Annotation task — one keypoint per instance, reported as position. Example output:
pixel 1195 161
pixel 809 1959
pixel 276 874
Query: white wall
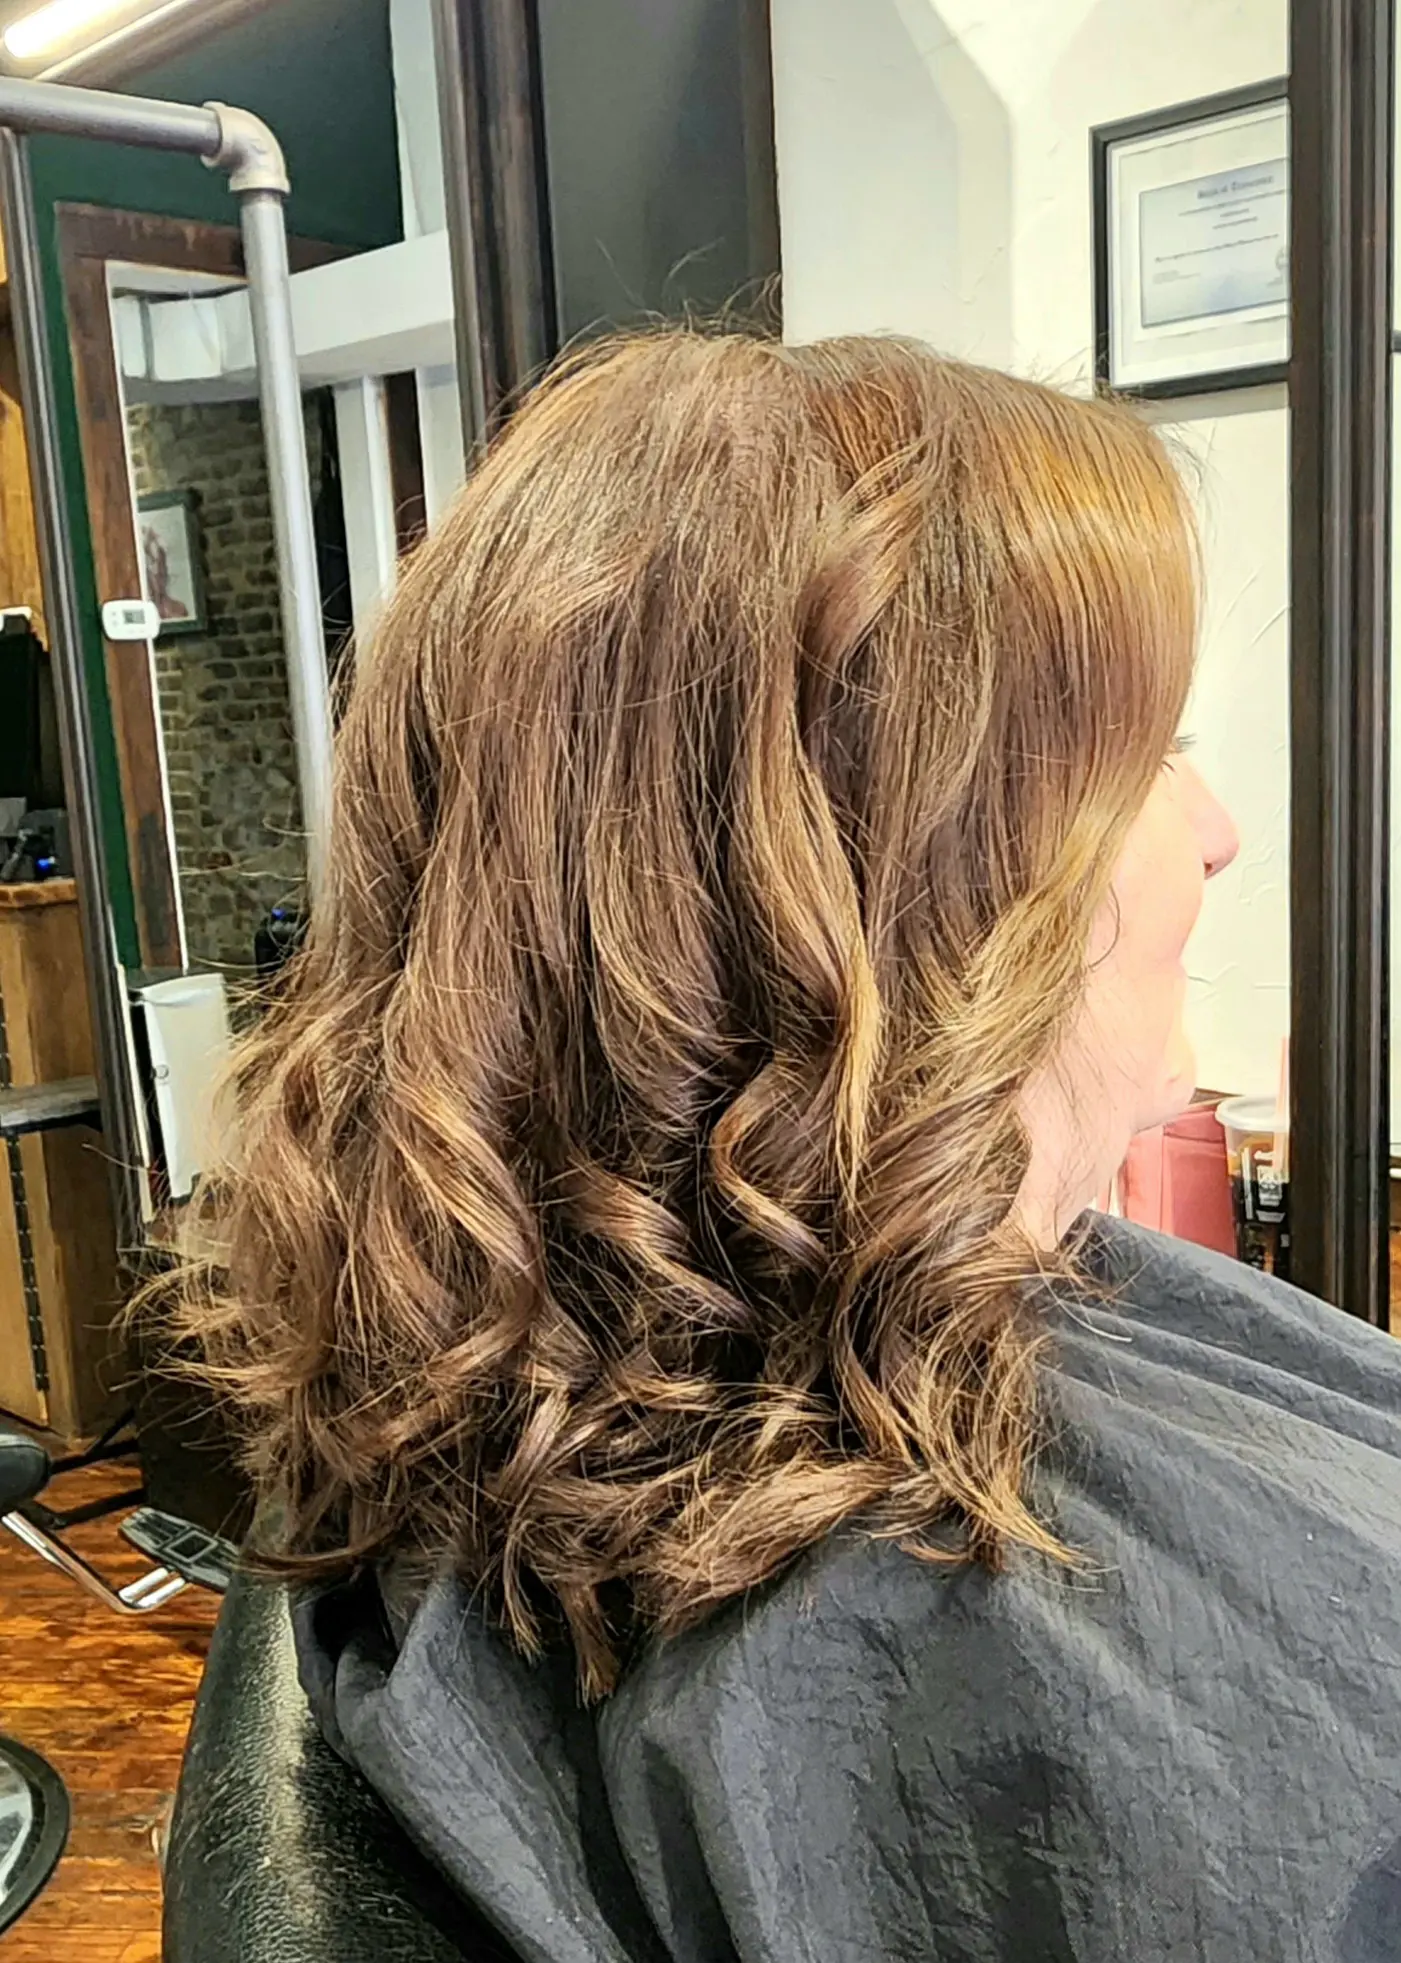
pixel 934 179
pixel 425 212
pixel 440 428
pixel 1238 718
pixel 385 313
pixel 416 110
pixel 371 538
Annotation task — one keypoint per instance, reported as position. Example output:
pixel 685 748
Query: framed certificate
pixel 1191 216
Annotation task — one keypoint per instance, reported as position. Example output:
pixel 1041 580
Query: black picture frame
pixel 1103 140
pixel 178 537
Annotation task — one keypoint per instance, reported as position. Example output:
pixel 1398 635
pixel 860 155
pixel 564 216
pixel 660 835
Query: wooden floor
pixel 107 1700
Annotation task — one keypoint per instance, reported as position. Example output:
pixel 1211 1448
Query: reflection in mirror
pixel 199 483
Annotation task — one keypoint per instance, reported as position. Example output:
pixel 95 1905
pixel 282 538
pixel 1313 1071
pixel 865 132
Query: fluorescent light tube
pixel 58 24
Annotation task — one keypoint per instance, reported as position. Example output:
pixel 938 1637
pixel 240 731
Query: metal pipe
pixel 249 152
pixel 105 994
pixel 284 433
pixel 147 125
pixel 234 141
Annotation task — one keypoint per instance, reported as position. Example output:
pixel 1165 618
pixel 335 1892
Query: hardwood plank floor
pixel 107 1700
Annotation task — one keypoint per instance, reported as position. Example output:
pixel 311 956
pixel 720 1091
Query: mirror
pixel 200 500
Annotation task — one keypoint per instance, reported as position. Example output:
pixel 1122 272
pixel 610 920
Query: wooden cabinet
pixel 60 1361
pixel 58 1264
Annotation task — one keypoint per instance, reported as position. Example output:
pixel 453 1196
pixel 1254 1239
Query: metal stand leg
pixel 149 1591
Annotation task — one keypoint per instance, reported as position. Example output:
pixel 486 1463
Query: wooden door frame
pixel 89 237
pixel 1341 202
pixel 496 178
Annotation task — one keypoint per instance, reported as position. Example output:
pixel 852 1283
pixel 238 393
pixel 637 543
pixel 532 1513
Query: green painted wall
pixel 319 73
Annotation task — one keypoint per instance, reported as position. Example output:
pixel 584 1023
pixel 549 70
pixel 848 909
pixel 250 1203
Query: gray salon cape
pixel 1189 1749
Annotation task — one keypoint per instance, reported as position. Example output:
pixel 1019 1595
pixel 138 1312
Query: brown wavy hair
pixel 628 1166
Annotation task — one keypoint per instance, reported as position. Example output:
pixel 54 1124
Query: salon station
pixel 273 274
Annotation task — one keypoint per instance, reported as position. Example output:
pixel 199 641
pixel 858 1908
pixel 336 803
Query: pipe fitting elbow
pixel 248 151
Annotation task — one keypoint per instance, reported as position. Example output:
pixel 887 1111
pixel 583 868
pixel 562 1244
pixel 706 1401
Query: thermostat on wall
pixel 130 620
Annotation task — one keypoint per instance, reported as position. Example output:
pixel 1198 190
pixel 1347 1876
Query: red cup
pixel 1175 1179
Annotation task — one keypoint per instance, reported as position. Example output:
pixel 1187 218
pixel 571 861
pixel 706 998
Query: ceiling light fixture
pixel 57 25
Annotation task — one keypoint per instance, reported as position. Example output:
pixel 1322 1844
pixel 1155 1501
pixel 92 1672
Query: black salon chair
pixel 278 1851
pixel 34 1807
pixel 33 1799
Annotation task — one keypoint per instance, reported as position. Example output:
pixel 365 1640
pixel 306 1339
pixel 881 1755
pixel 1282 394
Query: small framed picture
pixel 171 566
pixel 1191 218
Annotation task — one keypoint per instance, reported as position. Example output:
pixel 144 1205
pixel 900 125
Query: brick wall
pixel 223 693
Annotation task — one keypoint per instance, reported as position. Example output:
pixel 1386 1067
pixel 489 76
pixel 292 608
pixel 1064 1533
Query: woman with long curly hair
pixel 741 1504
